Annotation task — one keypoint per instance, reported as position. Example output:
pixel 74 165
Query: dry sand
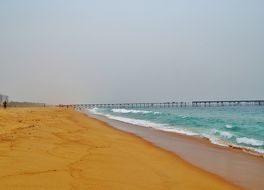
pixel 52 148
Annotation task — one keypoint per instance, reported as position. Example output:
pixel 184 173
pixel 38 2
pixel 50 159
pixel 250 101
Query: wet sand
pixel 233 165
pixel 55 148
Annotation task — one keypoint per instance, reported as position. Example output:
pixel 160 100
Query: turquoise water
pixel 238 125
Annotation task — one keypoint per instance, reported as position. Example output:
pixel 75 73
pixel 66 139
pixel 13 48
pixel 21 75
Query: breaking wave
pixel 133 111
pixel 249 141
pixel 229 126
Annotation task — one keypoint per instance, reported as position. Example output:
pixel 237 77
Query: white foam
pixel 249 141
pixel 213 139
pixel 183 116
pixel 133 111
pixel 226 134
pixel 259 151
pixel 177 130
pixel 214 131
pixel 95 111
pixel 229 126
pixel 140 122
pixel 144 123
pixel 126 120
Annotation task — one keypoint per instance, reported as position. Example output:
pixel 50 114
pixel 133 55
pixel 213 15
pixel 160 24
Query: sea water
pixel 241 126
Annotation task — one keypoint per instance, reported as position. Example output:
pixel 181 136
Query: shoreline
pixel 222 143
pixel 234 164
pixel 56 148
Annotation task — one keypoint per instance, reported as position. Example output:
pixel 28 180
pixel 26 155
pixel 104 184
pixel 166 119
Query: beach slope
pixel 55 148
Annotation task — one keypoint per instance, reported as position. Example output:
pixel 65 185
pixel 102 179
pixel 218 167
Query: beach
pixel 58 148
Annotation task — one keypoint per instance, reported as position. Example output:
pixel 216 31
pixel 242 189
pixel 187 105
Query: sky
pixel 101 51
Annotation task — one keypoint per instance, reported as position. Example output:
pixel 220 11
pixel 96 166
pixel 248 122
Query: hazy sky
pixel 131 51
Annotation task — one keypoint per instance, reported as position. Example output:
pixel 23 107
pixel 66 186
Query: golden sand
pixel 52 148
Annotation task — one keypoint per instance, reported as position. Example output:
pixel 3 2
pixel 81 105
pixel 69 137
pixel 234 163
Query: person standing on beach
pixel 5 104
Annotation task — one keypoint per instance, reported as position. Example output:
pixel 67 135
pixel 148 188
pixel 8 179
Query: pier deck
pixel 170 104
pixel 228 103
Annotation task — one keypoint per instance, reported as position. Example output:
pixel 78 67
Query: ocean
pixel 241 126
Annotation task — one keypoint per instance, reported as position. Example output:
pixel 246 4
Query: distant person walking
pixel 5 104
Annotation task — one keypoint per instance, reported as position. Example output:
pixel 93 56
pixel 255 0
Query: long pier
pixel 228 103
pixel 132 105
pixel 170 104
